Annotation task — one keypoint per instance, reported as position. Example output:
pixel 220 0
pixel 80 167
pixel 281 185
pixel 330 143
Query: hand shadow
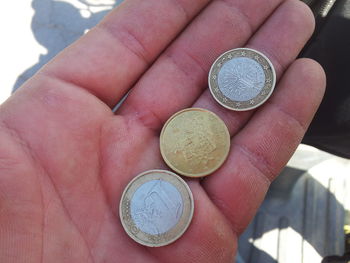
pixel 57 23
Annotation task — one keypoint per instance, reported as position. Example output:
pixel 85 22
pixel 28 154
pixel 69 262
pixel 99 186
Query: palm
pixel 67 158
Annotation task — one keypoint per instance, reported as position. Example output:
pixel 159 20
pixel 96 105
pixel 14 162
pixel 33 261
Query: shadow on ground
pixel 300 220
pixel 58 23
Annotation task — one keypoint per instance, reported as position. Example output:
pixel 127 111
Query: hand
pixel 65 158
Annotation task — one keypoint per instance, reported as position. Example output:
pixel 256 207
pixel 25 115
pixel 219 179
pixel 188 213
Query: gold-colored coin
pixel 194 142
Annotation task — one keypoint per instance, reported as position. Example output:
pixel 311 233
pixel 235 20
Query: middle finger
pixel 178 77
pixel 281 38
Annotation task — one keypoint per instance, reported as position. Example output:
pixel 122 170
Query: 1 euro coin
pixel 242 79
pixel 156 208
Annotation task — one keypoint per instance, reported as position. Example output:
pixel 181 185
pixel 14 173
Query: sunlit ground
pixel 19 46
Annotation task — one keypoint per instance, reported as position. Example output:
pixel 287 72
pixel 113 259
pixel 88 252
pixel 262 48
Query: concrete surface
pixel 303 215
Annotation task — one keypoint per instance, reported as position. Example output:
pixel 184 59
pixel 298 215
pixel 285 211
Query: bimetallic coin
pixel 242 79
pixel 156 208
pixel 194 142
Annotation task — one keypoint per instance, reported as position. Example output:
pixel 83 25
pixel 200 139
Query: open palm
pixel 65 158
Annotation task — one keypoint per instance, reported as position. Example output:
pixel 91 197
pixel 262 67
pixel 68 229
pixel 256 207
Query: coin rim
pixel 190 174
pixel 188 205
pixel 273 84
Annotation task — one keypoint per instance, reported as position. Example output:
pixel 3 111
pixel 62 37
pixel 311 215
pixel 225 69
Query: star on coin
pixel 224 99
pixel 219 64
pixel 229 56
pixel 216 89
pixel 257 58
pixel 214 77
pixel 238 104
pixel 268 80
pixel 266 67
pixel 243 53
pixel 263 93
pixel 251 101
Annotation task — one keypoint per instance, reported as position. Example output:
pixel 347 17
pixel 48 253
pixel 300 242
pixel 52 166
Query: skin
pixel 65 158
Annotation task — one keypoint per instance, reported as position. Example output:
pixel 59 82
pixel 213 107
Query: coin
pixel 194 142
pixel 156 208
pixel 242 79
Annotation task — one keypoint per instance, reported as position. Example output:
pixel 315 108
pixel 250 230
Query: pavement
pixel 304 213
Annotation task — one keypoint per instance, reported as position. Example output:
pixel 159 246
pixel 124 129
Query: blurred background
pixel 305 216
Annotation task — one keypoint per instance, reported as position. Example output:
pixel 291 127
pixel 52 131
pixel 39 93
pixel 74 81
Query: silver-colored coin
pixel 156 208
pixel 242 79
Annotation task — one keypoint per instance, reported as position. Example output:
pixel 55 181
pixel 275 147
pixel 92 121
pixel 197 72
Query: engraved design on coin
pixel 194 142
pixel 244 79
pixel 156 208
pixel 241 79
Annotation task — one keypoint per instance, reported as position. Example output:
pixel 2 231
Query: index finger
pixel 113 55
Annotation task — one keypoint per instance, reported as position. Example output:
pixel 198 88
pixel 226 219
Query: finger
pixel 180 74
pixel 208 239
pixel 263 147
pixel 131 158
pixel 141 104
pixel 20 201
pixel 113 55
pixel 281 39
